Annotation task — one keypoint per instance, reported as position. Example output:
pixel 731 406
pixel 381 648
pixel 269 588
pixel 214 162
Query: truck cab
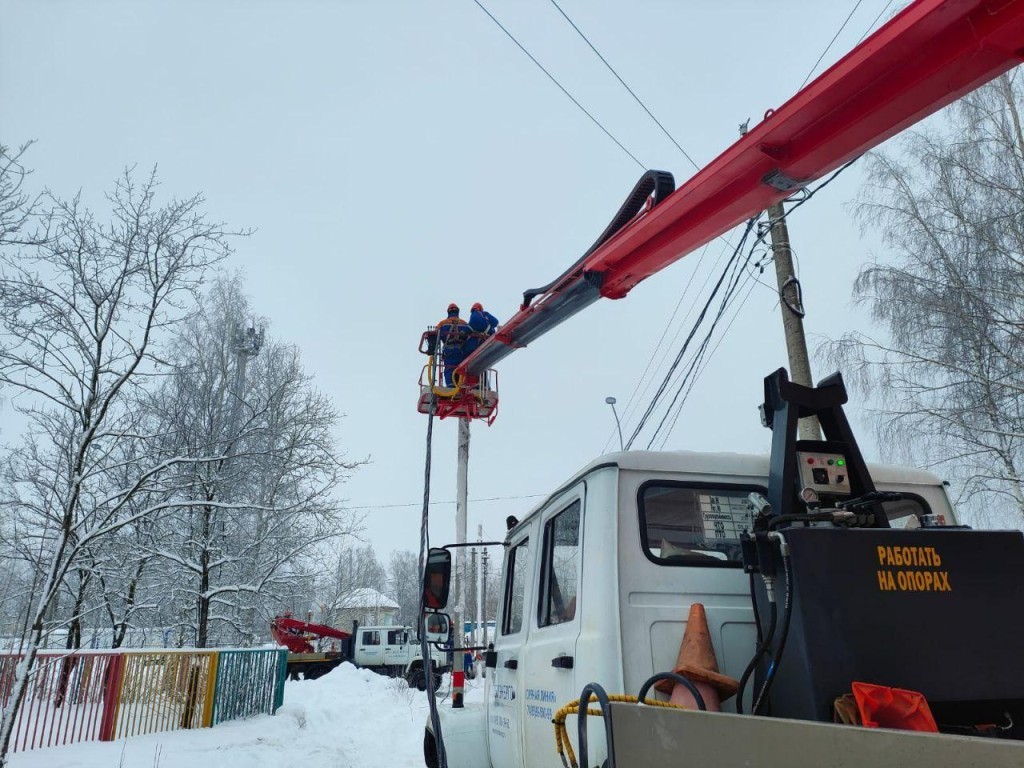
pixel 395 651
pixel 597 582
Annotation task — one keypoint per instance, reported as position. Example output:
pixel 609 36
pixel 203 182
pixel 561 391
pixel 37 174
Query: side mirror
pixel 438 628
pixel 437 579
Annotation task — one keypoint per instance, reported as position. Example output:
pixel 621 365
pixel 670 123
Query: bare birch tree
pixel 82 312
pixel 949 379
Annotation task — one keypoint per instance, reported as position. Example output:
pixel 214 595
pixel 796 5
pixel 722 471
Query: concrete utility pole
pixel 791 304
pixel 461 504
pixel 472 611
pixel 480 607
pixel 483 597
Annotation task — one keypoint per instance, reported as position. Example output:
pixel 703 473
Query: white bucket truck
pixel 395 651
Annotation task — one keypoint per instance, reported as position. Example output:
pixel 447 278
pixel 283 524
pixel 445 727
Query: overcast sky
pixel 395 156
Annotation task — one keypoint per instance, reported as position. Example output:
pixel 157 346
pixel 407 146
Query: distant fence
pixel 248 683
pixel 102 696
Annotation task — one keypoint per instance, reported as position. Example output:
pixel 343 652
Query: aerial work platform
pixel 468 397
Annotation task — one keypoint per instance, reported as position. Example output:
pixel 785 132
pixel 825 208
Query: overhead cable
pixel 561 87
pixel 738 271
pixel 624 85
pixel 704 362
pixel 636 389
pixel 831 42
pixel 698 362
pixel 872 25
pixel 682 351
pixel 435 503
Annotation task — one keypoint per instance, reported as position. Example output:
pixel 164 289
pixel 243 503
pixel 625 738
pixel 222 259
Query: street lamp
pixel 611 401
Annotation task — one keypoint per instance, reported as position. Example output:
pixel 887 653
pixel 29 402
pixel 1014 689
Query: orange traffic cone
pixel 698 664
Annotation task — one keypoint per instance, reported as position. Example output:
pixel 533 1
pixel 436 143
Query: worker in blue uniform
pixel 453 333
pixel 482 324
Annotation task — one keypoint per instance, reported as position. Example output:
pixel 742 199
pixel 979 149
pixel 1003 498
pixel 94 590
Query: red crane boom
pixel 295 634
pixel 927 56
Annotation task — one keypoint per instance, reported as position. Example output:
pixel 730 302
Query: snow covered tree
pixel 404 575
pixel 82 310
pixel 950 294
pixel 16 204
pixel 244 402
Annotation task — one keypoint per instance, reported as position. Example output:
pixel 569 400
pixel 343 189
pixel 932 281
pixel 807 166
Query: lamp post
pixel 611 401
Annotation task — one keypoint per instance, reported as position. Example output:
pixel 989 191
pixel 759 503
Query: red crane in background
pixel 295 634
pixel 927 56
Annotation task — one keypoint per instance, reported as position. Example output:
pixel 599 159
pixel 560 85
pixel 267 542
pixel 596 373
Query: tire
pixel 416 679
pixel 315 671
pixel 429 750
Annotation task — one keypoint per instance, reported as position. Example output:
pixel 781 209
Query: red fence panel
pixel 66 698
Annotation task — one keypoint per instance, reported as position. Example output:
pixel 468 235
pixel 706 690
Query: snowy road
pixel 349 718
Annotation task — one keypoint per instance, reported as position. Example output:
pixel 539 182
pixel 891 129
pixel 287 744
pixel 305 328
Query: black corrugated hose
pixel 428 666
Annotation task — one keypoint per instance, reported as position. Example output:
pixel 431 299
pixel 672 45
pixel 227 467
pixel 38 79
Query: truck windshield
pixel 694 524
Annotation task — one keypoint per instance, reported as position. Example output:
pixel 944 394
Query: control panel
pixel 824 472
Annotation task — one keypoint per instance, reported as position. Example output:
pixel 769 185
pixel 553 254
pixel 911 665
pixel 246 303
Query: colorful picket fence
pixel 248 684
pixel 102 696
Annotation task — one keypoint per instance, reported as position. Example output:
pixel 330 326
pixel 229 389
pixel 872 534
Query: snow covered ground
pixel 350 717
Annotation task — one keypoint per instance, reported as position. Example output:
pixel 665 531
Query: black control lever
pixel 869 498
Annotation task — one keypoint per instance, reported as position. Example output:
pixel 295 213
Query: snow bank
pixel 350 717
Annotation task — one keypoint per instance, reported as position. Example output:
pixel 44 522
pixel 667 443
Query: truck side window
pixel 515 588
pixel 396 637
pixel 559 577
pixel 371 637
pixel 694 523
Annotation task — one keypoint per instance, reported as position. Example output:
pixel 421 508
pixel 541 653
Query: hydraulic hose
pixel 765 642
pixel 581 728
pixel 428 666
pixel 787 613
pixel 675 677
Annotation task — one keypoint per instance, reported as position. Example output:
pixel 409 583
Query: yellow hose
pixel 562 743
pixel 436 389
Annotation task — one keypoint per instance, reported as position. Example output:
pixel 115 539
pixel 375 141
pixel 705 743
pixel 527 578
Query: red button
pixel 810 461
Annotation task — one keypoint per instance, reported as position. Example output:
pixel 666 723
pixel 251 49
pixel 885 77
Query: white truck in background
pixel 395 651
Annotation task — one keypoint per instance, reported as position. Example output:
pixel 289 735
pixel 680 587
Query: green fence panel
pixel 249 682
pixel 282 674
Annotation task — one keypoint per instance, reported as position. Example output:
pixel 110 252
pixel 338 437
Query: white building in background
pixel 368 606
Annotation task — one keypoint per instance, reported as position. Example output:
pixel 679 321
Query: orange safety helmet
pixel 453 307
pixel 477 307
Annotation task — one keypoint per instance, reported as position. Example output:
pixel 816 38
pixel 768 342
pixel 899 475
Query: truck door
pixel 504 705
pixel 548 660
pixel 396 648
pixel 369 651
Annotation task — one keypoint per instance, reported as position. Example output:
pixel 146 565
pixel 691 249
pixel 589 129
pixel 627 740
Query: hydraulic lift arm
pixel 927 56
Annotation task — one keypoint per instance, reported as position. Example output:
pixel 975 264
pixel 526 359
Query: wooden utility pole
pixel 792 306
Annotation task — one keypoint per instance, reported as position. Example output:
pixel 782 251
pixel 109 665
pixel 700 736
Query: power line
pixel 628 409
pixel 702 366
pixel 682 351
pixel 624 85
pixel 434 503
pixel 738 272
pixel 561 87
pixel 698 363
pixel 831 42
pixel 872 26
